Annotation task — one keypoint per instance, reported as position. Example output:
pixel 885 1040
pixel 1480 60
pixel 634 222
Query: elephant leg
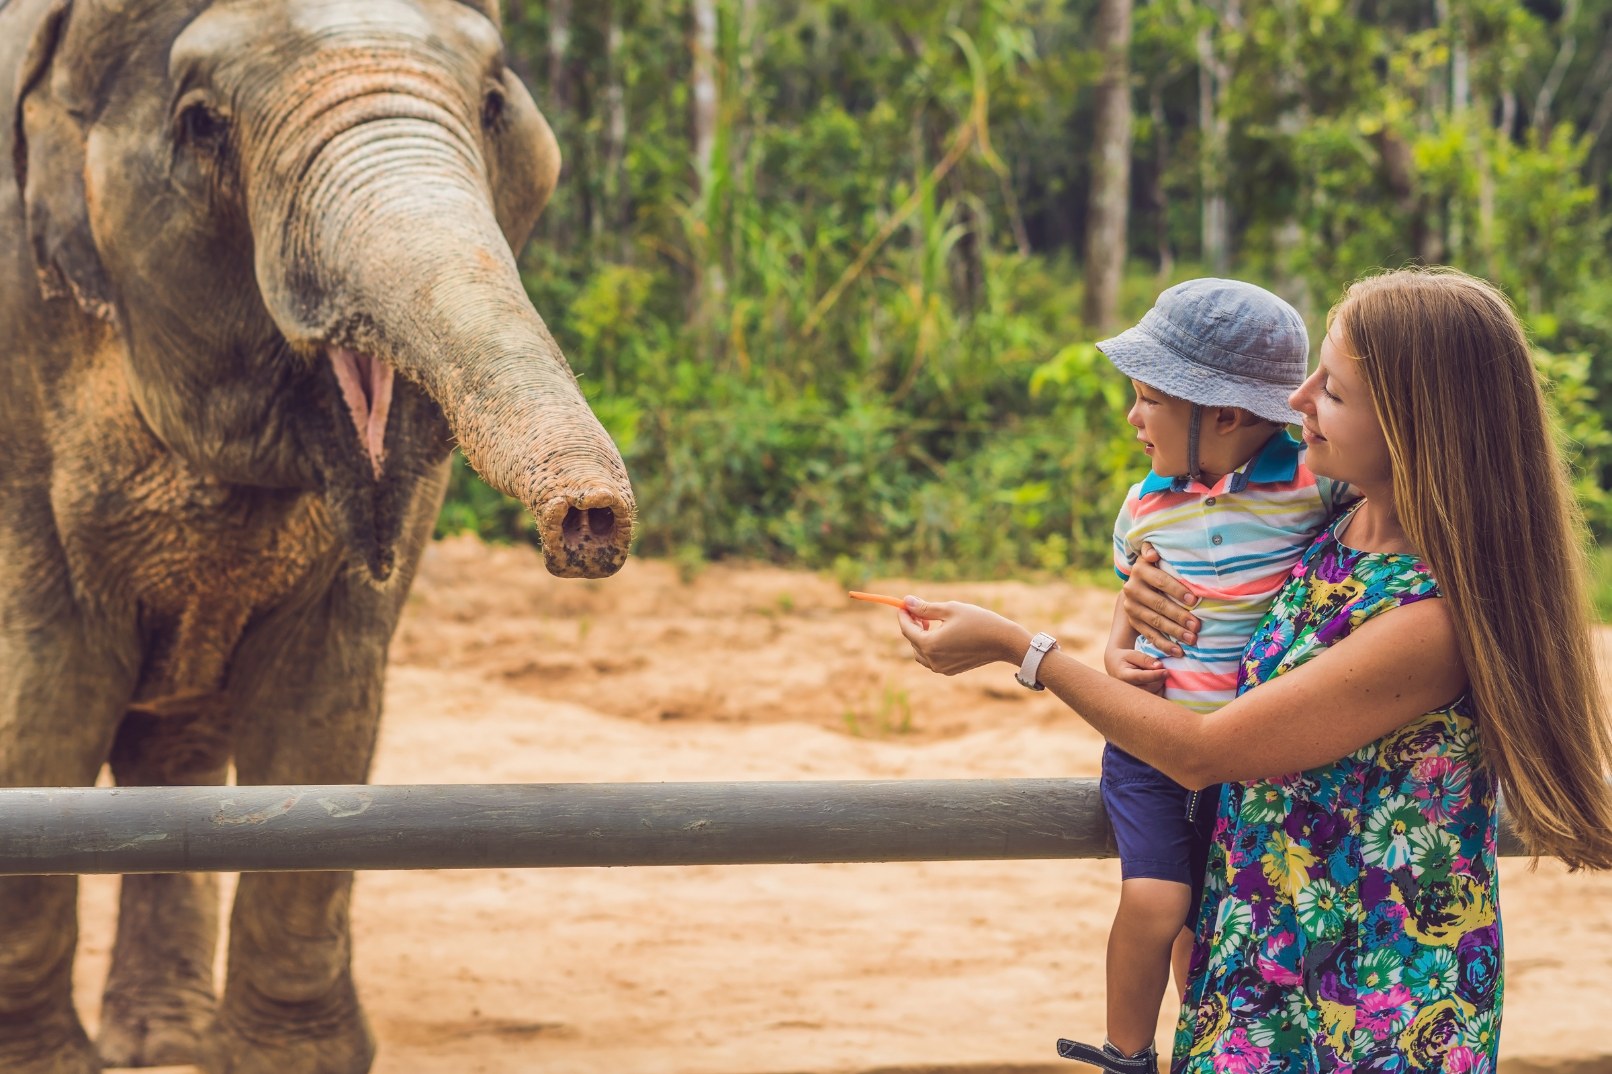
pixel 159 992
pixel 289 1004
pixel 57 709
pixel 307 687
pixel 39 1029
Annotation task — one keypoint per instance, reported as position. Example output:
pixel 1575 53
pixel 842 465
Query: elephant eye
pixel 201 126
pixel 492 109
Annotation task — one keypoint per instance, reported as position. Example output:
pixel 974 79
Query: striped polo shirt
pixel 1233 545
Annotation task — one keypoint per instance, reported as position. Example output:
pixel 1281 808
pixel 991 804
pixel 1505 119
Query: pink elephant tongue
pixel 366 388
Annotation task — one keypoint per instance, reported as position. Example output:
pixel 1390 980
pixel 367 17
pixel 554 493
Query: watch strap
pixel 1028 674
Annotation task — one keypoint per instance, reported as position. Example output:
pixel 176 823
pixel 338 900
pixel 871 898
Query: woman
pixel 1350 917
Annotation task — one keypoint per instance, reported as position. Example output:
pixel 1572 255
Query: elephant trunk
pixel 378 249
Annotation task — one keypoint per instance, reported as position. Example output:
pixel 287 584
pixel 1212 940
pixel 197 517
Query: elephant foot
pixel 299 1041
pixel 147 1028
pixel 36 1049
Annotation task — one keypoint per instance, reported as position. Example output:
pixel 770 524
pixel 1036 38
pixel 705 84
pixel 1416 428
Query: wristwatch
pixel 1040 645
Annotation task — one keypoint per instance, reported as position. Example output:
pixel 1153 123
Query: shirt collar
pixel 1277 461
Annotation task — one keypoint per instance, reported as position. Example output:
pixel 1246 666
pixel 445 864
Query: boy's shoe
pixel 1110 1058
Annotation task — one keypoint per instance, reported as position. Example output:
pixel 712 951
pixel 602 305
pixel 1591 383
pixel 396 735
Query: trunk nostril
pixel 596 522
pixel 585 542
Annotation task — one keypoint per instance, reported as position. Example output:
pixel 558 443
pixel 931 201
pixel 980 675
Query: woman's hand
pixel 953 637
pixel 1156 603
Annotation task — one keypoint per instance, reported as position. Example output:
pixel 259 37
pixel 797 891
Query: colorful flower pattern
pixel 1350 918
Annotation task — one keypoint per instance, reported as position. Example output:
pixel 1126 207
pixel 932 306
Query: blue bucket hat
pixel 1218 343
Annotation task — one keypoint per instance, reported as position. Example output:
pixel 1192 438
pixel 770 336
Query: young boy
pixel 1230 506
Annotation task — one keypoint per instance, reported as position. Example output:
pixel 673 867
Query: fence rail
pixel 484 826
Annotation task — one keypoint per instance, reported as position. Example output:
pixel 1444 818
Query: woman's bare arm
pixel 1391 670
pixel 1156 602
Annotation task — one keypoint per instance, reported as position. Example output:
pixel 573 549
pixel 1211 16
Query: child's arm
pixel 1124 662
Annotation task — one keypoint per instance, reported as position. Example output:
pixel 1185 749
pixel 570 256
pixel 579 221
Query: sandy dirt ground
pixel 503 674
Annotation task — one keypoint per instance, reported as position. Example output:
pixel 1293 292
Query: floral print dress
pixel 1350 917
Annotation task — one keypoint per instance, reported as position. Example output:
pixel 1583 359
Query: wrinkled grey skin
pixel 255 280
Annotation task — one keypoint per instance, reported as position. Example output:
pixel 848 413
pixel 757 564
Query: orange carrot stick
pixel 878 598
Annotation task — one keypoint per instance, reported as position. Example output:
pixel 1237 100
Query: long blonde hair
pixel 1482 492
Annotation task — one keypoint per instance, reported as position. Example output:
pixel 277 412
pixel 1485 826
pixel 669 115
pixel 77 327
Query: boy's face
pixel 1161 423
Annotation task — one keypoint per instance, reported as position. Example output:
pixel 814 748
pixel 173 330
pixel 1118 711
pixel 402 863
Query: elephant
pixel 257 279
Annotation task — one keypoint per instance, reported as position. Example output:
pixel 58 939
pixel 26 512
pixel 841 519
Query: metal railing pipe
pixel 279 829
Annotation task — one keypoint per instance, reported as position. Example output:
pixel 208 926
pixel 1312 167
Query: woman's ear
pixel 48 135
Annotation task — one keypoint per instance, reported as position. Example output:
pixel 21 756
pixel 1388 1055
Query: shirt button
pixel 1210 502
pixel 1215 539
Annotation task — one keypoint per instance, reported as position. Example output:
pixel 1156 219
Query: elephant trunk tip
pixel 586 535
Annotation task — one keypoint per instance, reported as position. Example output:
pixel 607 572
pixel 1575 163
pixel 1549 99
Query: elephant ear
pixel 526 163
pixel 493 9
pixel 48 157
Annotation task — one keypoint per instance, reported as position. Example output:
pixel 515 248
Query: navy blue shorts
pixel 1156 836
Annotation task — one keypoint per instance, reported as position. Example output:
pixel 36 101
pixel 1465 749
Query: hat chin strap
pixel 1194 471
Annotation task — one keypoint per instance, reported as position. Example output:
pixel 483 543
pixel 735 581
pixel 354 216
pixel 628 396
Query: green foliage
pixel 965 453
pixel 854 346
pixel 1582 432
pixel 1601 582
pixel 473 507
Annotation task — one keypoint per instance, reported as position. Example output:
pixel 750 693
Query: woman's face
pixel 1345 439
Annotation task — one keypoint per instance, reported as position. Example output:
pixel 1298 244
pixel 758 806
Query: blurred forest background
pixel 830 271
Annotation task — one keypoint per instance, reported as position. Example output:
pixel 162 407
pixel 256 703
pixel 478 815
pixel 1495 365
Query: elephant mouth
pixel 366 388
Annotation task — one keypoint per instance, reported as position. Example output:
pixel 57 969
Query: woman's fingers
pixel 914 629
pixel 1152 574
pixel 919 608
pixel 1150 613
pixel 953 637
pixel 1153 603
pixel 1155 629
pixel 921 637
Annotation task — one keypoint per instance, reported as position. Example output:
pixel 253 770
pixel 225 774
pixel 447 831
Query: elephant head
pixel 298 217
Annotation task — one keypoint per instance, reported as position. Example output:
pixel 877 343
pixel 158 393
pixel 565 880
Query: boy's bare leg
pixel 1146 928
pixel 1181 960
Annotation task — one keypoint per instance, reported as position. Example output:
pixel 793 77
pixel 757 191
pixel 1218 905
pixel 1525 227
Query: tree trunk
pixel 1558 69
pixel 1110 195
pixel 704 100
pixel 1158 203
pixel 1460 104
pixel 1213 76
pixel 514 31
pixel 1460 69
pixel 739 139
pixel 703 88
pixel 559 48
pixel 612 223
pixel 559 226
pixel 1288 234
